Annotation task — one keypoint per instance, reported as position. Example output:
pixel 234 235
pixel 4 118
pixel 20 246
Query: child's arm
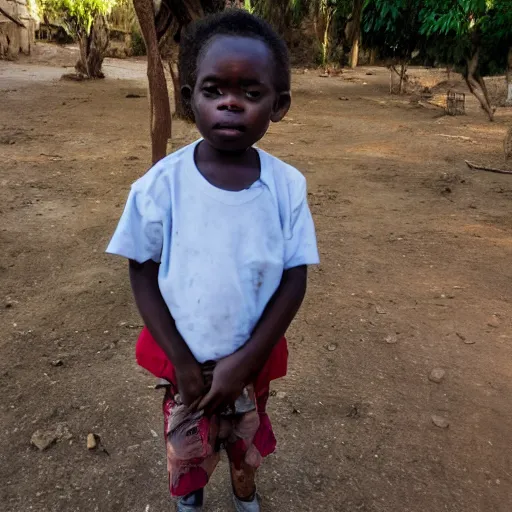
pixel 161 325
pixel 232 373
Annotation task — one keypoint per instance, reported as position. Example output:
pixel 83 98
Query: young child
pixel 219 235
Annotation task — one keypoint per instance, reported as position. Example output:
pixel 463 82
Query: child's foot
pixel 247 506
pixel 192 502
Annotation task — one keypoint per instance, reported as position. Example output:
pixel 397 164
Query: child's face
pixel 234 98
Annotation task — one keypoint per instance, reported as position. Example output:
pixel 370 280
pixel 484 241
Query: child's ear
pixel 186 93
pixel 281 106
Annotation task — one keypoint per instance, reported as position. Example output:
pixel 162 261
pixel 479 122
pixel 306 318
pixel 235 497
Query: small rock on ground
pixel 437 375
pixel 91 442
pixel 440 422
pixel 62 432
pixel 43 439
pixel 493 321
pixel 391 339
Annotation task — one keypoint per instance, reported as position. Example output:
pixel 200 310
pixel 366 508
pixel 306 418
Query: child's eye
pixel 253 95
pixel 211 90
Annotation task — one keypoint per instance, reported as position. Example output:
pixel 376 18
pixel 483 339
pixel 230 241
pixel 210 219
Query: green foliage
pixel 456 29
pixel 282 14
pixel 76 16
pixel 497 25
pixel 448 28
pixel 393 26
pixel 446 31
pixel 330 18
pixel 459 17
pixel 123 16
pixel 138 46
pixel 279 11
pixel 287 17
pixel 299 10
pixel 248 6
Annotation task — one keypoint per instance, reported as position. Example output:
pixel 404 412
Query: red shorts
pixel 192 441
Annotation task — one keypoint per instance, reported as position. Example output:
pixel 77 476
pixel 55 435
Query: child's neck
pixel 228 170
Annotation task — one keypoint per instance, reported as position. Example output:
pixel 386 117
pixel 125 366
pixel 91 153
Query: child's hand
pixel 229 378
pixel 191 385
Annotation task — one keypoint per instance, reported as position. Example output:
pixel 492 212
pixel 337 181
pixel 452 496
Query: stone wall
pixel 15 39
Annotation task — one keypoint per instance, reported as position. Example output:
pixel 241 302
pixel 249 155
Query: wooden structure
pixel 455 103
pixel 17 28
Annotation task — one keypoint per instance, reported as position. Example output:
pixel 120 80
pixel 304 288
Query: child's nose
pixel 231 102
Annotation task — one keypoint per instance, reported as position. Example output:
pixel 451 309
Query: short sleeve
pixel 139 234
pixel 300 247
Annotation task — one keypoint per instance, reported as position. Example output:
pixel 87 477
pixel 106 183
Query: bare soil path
pixel 416 274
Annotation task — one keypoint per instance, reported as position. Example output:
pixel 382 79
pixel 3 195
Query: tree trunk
pixel 477 86
pixel 509 77
pixel 160 111
pixel 356 32
pixel 354 53
pixel 81 67
pixel 403 76
pixel 325 43
pixel 373 56
pixel 179 109
pixel 92 49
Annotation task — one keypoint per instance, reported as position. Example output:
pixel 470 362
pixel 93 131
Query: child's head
pixel 235 78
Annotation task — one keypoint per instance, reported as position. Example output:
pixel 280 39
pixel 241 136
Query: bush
pixel 138 45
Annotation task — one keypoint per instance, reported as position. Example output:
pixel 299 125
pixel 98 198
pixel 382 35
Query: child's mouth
pixel 229 129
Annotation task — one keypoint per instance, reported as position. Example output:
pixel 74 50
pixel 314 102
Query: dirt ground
pixel 416 274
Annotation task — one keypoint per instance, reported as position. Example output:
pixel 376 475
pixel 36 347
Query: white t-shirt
pixel 221 253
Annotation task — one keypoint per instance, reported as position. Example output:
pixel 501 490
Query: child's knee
pixel 247 427
pixel 253 457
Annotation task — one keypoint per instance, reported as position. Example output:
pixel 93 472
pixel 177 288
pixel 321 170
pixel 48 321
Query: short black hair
pixel 231 22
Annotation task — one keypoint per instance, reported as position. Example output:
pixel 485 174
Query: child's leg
pixel 243 480
pixel 254 439
pixel 244 459
pixel 190 458
pixel 245 498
